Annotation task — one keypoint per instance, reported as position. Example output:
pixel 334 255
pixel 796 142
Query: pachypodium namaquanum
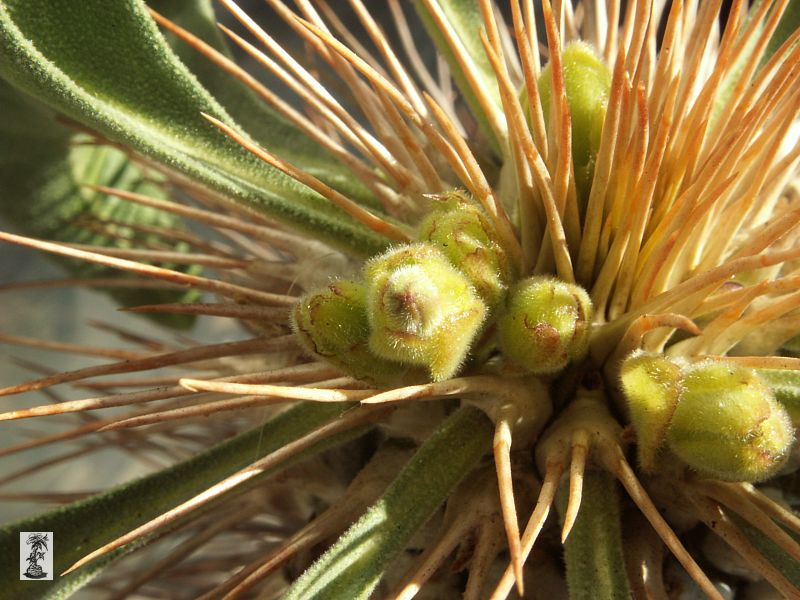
pixel 549 286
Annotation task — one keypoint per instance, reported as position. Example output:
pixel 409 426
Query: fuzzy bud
pixel 652 388
pixel 545 324
pixel 464 235
pixel 728 424
pixel 421 310
pixel 332 323
pixel 587 80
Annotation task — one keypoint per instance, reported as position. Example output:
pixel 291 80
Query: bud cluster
pixel 719 418
pixel 423 305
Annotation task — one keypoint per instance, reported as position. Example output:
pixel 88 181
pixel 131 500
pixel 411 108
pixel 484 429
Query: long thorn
pixel 535 523
pixel 251 346
pixel 577 467
pixel 286 392
pixel 203 283
pixel 347 421
pixel 505 486
pixel 622 470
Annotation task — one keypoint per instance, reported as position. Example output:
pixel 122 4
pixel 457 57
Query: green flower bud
pixel 422 310
pixel 463 234
pixel 588 81
pixel 332 324
pixel 652 388
pixel 545 324
pixel 729 425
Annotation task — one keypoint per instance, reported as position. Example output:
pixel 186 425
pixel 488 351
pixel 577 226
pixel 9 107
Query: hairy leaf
pixel 464 16
pixel 266 126
pixel 42 167
pixel 790 21
pixel 84 526
pixel 106 65
pixel 354 565
pixel 593 551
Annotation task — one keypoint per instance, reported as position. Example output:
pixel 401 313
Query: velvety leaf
pixel 788 24
pixel 777 556
pixel 464 16
pixel 354 565
pixel 266 126
pixel 84 526
pixel 593 550
pixel 106 65
pixel 42 165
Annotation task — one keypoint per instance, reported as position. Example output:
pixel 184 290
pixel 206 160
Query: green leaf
pixel 84 526
pixel 790 21
pixel 266 126
pixel 353 566
pixel 785 384
pixel 106 65
pixel 777 556
pixel 41 169
pixel 464 16
pixel 593 550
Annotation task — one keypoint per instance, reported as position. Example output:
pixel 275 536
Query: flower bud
pixel 652 388
pixel 332 323
pixel 464 235
pixel 587 80
pixel 729 425
pixel 545 324
pixel 421 310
